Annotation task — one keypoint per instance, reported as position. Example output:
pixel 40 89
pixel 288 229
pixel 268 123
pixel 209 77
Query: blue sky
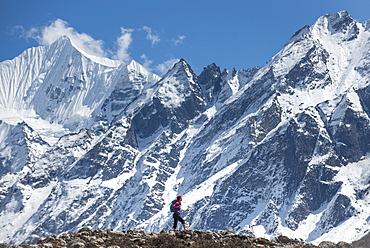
pixel 233 34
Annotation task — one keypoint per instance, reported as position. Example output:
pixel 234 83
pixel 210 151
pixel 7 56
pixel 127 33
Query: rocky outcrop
pixel 86 237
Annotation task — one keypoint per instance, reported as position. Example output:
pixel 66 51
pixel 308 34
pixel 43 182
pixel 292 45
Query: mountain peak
pixel 339 21
pixel 173 88
pixel 61 43
pixel 66 43
pixel 210 73
pixel 182 63
pixel 180 68
pixel 210 81
pixel 137 71
pixel 212 66
pixel 329 24
pixel 341 24
pixel 63 40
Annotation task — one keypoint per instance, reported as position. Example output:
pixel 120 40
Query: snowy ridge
pixel 74 84
pixel 282 149
pixel 137 71
pixel 100 60
pixel 15 80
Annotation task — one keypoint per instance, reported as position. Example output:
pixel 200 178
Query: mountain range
pixel 281 149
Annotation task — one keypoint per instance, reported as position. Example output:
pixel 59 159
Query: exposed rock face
pixel 177 100
pixel 210 80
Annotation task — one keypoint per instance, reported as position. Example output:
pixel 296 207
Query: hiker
pixel 175 208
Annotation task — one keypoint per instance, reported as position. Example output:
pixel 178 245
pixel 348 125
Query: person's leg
pixel 182 222
pixel 175 219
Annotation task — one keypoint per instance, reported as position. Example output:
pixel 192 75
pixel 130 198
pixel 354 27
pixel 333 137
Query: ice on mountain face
pixel 75 88
pixel 18 142
pixel 138 73
pixel 63 89
pixel 129 93
pixel 347 48
pixel 342 22
pixel 16 81
pixel 340 26
pixel 318 65
pixel 351 198
pixel 316 58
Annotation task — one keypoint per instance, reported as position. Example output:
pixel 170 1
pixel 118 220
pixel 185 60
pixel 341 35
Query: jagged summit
pixel 338 22
pixel 210 81
pixel 62 41
pixel 178 83
pixel 175 99
pixel 181 67
pixel 322 61
pixel 281 149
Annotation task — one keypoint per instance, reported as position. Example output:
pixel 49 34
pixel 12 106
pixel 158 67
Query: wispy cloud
pixel 165 66
pixel 147 62
pixel 47 35
pixel 123 43
pixel 160 69
pixel 150 35
pixel 179 40
pixel 26 34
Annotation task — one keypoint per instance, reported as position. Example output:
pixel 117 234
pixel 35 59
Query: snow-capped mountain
pixel 282 149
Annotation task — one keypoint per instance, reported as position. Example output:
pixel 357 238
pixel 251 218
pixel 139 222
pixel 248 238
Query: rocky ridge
pixel 109 238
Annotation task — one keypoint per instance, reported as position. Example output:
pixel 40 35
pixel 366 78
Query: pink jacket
pixel 177 206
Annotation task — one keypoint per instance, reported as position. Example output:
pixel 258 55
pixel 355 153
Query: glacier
pixel 277 150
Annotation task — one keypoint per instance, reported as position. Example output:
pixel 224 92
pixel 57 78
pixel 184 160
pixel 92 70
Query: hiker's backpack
pixel 171 206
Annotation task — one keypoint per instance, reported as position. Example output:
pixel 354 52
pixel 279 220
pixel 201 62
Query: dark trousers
pixel 176 218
